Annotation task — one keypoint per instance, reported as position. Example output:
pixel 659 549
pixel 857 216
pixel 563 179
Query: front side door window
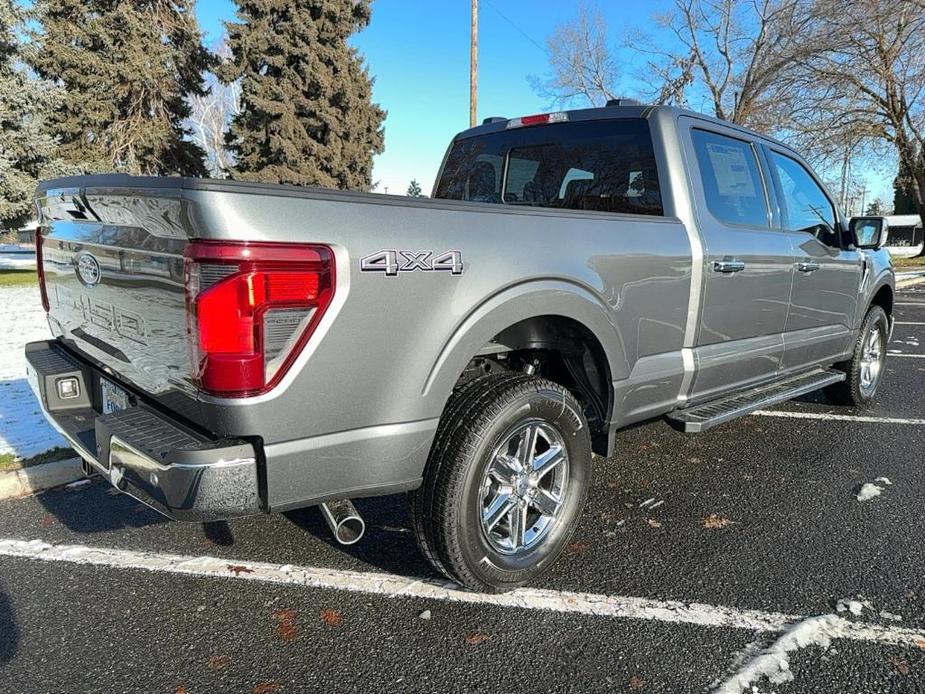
pixel 804 205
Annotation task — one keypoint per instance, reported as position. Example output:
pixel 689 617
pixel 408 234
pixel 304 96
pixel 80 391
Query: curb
pixel 902 284
pixel 37 478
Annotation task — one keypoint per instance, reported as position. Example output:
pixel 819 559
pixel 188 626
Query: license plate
pixel 114 398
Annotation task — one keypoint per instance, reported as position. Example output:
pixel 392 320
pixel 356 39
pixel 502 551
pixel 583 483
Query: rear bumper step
pixel 710 414
pixel 171 469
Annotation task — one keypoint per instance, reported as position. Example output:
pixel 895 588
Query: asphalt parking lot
pixel 737 560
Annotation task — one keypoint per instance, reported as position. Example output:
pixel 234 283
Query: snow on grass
pixel 23 430
pixel 869 490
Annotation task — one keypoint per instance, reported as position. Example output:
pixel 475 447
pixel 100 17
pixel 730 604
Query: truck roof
pixel 616 108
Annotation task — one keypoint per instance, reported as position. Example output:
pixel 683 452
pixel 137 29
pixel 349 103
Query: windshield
pixel 607 166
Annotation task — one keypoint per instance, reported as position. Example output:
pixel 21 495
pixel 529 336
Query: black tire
pixel 446 511
pixel 854 391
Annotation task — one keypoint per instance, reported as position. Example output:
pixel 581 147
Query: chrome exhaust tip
pixel 344 521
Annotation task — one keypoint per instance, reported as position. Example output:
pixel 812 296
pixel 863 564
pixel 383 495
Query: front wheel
pixel 864 370
pixel 505 483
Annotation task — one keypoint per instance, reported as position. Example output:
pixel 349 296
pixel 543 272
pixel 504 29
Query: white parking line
pixel 909 303
pixel 902 322
pixel 906 356
pixel 390 585
pixel 838 417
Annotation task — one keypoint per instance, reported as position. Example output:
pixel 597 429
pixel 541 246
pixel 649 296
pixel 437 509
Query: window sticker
pixel 733 178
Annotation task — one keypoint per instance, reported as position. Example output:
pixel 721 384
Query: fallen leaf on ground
pixel 654 523
pixel 180 689
pixel 266 687
pixel 285 624
pixel 47 520
pixel 921 644
pixel 476 638
pixel 636 683
pixel 238 570
pixel 218 662
pixel 576 547
pixel 715 520
pixel 902 667
pixel 330 617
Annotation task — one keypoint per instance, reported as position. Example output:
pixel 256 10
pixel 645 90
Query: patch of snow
pixel 24 432
pixel 855 607
pixel 890 616
pixel 75 485
pixel 773 663
pixel 869 490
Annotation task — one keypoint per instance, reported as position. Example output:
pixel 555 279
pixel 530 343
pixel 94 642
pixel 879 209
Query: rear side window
pixel 608 166
pixel 732 183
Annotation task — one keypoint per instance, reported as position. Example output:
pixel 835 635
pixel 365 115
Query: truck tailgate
pixel 113 266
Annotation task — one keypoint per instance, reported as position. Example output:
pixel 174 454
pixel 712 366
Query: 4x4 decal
pixel 392 262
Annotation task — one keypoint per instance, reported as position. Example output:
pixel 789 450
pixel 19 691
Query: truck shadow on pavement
pixel 99 509
pixel 9 634
pixel 388 543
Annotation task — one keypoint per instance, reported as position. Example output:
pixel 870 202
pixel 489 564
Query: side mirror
pixel 869 232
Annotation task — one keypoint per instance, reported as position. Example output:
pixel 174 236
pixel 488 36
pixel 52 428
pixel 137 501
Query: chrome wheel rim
pixel 523 488
pixel 871 359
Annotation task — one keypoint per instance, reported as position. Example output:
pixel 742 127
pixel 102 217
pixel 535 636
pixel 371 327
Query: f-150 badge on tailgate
pixel 393 262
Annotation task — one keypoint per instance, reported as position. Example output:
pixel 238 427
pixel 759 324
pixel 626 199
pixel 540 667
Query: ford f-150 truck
pixel 223 348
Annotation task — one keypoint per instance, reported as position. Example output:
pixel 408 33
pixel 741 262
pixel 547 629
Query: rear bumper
pixel 155 459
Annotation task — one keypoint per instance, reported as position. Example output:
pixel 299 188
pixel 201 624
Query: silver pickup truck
pixel 225 348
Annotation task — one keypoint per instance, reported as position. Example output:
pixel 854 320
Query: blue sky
pixel 418 53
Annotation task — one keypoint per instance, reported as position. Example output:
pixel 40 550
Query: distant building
pixel 26 235
pixel 905 237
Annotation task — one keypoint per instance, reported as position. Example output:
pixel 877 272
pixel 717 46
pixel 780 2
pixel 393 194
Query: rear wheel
pixel 865 368
pixel 505 483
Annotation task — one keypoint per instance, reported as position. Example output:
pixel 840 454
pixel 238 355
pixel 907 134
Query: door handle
pixel 728 266
pixel 807 266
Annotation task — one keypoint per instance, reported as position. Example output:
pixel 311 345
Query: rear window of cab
pixel 602 165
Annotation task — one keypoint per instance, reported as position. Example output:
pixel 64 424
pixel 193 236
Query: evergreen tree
pixel 126 67
pixel 26 150
pixel 306 111
pixel 414 188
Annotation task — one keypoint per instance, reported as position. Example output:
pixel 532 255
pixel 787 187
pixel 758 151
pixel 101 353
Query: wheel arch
pixel 550 315
pixel 884 298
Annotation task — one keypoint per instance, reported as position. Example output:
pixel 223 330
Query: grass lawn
pixel 8 461
pixel 18 278
pixel 909 262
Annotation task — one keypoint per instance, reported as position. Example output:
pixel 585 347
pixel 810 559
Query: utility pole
pixel 474 65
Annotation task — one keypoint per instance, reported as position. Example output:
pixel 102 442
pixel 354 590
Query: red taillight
pixel 539 119
pixel 252 308
pixel 40 268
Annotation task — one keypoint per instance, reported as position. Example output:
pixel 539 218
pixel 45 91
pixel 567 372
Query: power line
pixel 517 28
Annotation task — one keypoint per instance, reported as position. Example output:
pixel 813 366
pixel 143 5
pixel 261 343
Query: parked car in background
pixel 905 237
pixel 226 348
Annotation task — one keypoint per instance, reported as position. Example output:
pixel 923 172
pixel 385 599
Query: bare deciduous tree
pixel 211 114
pixel 739 56
pixel 736 56
pixel 583 66
pixel 870 86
